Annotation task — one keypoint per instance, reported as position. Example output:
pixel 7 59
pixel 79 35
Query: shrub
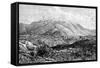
pixel 44 50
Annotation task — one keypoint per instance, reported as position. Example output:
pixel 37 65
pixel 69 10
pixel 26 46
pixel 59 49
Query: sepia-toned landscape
pixel 53 34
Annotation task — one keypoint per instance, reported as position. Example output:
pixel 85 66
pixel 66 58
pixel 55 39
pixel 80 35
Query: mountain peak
pixel 68 28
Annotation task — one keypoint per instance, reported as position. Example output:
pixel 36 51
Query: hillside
pixel 53 41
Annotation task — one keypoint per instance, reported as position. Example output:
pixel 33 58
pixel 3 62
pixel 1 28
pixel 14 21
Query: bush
pixel 44 50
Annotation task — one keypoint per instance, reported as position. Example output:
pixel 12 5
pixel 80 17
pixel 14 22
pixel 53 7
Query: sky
pixel 82 16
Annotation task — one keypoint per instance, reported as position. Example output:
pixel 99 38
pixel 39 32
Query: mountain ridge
pixel 69 28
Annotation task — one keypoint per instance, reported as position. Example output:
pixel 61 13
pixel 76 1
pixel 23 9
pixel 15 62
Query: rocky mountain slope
pixel 71 29
pixel 56 31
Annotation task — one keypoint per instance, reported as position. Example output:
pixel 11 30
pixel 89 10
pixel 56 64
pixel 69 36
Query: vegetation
pixel 55 41
pixel 80 50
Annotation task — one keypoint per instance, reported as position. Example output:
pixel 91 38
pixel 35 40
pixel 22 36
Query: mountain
pixel 22 28
pixel 66 29
pixel 56 32
pixel 74 29
pixel 71 29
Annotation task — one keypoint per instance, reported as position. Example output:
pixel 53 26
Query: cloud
pixel 82 16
